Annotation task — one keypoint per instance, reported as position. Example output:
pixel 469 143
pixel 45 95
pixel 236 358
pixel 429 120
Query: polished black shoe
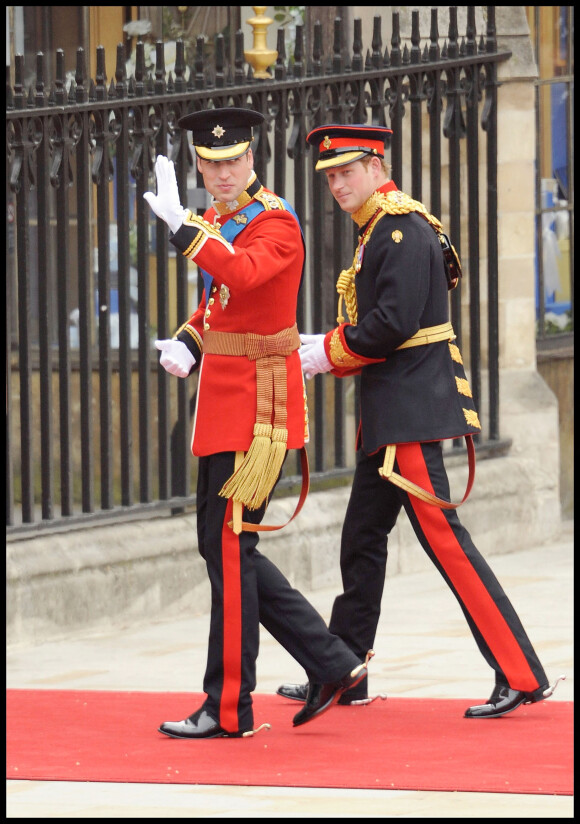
pixel 504 699
pixel 199 725
pixel 299 692
pixel 321 697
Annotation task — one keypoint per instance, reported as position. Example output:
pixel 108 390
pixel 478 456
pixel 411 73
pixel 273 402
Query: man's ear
pixel 198 165
pixel 376 164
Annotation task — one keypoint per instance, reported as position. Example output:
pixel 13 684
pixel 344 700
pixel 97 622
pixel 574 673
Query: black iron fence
pixel 95 428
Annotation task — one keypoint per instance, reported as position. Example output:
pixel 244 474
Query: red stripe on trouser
pixel 232 626
pixel 472 591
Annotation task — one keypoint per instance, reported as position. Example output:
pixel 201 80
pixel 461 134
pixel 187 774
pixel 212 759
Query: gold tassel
pixel 243 484
pixel 272 470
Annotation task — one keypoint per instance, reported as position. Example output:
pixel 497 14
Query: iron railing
pixel 95 428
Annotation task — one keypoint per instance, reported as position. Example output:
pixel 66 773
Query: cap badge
pixel 397 236
pixel 327 142
pixel 218 131
pixel 224 295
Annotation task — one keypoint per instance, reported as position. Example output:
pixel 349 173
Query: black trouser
pixel 246 589
pixel 372 513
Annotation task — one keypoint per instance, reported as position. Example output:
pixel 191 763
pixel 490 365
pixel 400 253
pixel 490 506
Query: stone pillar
pixel 516 191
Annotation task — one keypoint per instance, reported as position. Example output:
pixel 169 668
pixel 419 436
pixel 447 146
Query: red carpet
pixel 400 743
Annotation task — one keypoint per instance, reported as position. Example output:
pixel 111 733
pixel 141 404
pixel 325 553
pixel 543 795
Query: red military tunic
pixel 250 400
pixel 254 290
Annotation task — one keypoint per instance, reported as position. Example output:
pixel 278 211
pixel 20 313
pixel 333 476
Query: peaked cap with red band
pixel 339 145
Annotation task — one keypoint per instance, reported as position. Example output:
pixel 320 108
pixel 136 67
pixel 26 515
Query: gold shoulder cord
pixel 345 285
pixel 378 205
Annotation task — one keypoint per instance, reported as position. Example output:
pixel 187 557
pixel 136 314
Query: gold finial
pixel 260 57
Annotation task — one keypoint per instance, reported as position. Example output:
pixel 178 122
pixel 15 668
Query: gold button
pixel 206 326
pixel 211 301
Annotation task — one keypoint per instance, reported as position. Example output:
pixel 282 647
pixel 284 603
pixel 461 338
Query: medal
pixel 224 295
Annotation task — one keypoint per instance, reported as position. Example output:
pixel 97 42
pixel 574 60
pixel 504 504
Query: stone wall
pixel 107 576
pixel 104 577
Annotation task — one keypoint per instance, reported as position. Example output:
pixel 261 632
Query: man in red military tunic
pixel 251 408
pixel 413 395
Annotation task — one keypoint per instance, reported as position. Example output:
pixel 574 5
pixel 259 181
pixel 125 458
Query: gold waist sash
pixel 250 345
pixel 254 479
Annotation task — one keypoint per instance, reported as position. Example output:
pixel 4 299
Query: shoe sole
pixel 497 714
pixel 352 702
pixel 201 737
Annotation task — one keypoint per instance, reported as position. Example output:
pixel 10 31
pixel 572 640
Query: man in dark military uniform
pixel 413 395
pixel 251 408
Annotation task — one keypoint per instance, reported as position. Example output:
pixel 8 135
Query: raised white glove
pixel 312 355
pixel 175 358
pixel 166 203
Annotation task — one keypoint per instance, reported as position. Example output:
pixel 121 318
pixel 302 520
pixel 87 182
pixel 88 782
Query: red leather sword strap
pixel 248 527
pixel 387 472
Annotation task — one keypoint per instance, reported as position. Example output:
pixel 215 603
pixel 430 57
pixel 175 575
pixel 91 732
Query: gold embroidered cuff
pixel 186 327
pixel 340 355
pixel 195 245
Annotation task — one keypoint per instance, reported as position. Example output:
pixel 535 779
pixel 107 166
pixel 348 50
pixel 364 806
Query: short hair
pixel 386 167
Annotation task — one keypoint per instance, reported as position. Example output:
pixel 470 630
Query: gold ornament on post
pixel 260 57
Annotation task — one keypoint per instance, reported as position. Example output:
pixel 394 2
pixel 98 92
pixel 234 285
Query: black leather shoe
pixel 321 697
pixel 504 700
pixel 501 701
pixel 299 692
pixel 199 725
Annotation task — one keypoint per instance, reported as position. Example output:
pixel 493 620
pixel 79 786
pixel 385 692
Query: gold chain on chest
pixel 345 285
pixel 377 206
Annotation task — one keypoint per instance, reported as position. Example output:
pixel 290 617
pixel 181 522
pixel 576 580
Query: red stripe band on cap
pixel 330 143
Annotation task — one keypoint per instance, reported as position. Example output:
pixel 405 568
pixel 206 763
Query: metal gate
pixel 95 428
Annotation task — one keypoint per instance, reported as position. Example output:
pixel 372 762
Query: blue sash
pixel 232 228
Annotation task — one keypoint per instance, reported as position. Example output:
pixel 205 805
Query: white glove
pixel 166 203
pixel 312 355
pixel 176 357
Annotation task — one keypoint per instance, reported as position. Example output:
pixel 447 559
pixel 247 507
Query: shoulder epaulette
pixel 398 203
pixel 269 200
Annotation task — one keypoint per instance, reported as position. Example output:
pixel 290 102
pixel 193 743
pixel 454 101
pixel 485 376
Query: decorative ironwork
pixel 79 158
